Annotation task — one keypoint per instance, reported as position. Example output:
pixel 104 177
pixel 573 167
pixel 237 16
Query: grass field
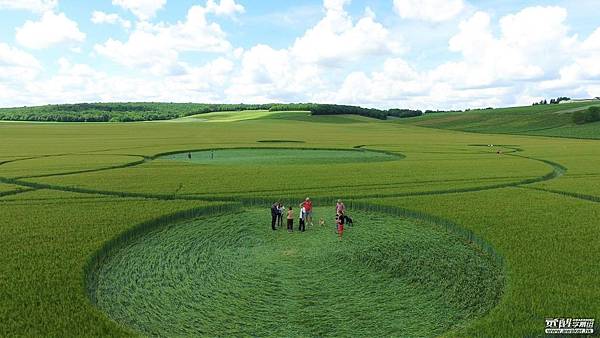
pixel 455 237
pixel 231 116
pixel 543 120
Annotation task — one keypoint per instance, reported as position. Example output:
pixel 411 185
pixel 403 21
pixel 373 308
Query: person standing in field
pixel 302 220
pixel 340 225
pixel 280 211
pixel 308 209
pixel 340 207
pixel 274 213
pixel 290 220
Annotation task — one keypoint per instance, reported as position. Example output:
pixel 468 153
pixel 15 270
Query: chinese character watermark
pixel 569 326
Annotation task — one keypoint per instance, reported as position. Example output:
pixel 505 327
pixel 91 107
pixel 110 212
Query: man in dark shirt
pixel 274 213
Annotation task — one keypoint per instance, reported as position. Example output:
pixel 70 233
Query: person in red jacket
pixel 340 225
pixel 308 207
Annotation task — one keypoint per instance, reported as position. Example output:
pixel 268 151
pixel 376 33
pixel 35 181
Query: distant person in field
pixel 274 213
pixel 340 207
pixel 189 156
pixel 340 225
pixel 280 212
pixel 308 209
pixel 302 220
pixel 290 220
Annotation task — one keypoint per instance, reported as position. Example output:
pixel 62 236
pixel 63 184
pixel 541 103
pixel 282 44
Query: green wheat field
pixel 480 223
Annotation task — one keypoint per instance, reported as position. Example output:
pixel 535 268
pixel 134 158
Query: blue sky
pixel 440 54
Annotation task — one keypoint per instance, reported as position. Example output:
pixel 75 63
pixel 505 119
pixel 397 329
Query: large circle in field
pixel 275 156
pixel 231 275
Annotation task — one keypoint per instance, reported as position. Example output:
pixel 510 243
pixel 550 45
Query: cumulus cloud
pixel 530 45
pixel 76 82
pixel 269 74
pixel 51 29
pixel 337 39
pixel 38 6
pixel 312 63
pixel 157 47
pixel 224 7
pixel 497 66
pixel 335 5
pixel 17 69
pixel 581 74
pixel 429 10
pixel 99 17
pixel 143 9
pixel 17 64
pixel 515 59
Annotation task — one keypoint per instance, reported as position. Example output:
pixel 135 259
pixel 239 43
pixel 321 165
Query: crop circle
pixel 279 156
pixel 231 275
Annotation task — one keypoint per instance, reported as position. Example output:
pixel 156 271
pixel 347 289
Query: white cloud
pixel 204 83
pixel 17 64
pixel 515 59
pixel 429 10
pixel 582 71
pixel 38 6
pixel 335 5
pixel 157 47
pixel 224 7
pixel 81 82
pixel 268 74
pixel 500 68
pixel 337 39
pixel 143 9
pixel 50 30
pixel 522 51
pixel 144 49
pixel 17 69
pixel 99 17
pixel 312 64
pixel 592 43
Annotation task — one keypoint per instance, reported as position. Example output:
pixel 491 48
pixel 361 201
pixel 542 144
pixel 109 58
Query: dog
pixel 348 220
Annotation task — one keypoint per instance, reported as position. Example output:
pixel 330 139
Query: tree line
pixel 552 101
pixel 118 112
pixel 153 111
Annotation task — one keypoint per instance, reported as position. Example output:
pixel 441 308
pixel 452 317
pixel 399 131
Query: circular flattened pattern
pixel 231 275
pixel 282 156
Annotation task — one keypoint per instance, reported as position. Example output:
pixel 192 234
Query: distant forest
pixel 142 111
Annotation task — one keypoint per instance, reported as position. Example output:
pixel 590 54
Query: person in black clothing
pixel 274 215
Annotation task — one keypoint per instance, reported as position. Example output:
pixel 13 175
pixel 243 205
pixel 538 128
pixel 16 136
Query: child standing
pixel 302 220
pixel 340 225
pixel 290 220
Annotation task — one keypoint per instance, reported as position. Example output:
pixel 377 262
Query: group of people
pixel 278 211
pixel 305 216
